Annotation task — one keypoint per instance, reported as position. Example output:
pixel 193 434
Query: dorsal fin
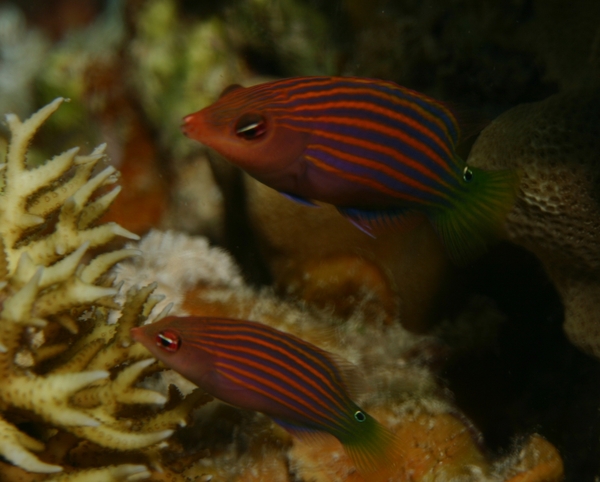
pixel 352 380
pixel 470 121
pixel 230 88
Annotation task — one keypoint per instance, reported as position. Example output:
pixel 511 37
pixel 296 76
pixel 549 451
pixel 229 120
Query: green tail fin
pixel 478 213
pixel 373 450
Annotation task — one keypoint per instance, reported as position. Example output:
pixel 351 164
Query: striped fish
pixel 377 151
pixel 257 367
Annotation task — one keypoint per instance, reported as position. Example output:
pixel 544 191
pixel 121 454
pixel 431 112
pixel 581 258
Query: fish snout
pixel 185 125
pixel 192 126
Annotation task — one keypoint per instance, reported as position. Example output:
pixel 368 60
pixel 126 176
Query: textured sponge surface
pixel 556 144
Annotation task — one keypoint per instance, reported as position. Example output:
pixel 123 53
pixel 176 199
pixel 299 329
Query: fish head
pixel 251 128
pixel 174 341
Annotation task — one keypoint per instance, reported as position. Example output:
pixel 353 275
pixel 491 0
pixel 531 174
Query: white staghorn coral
pixel 76 214
pixel 62 365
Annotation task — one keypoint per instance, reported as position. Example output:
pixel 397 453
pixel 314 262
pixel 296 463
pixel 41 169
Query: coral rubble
pixel 64 369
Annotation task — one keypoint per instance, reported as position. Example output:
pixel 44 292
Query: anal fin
pixel 301 432
pixel 375 221
pixel 299 200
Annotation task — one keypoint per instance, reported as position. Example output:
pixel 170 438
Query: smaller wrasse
pixel 377 151
pixel 254 366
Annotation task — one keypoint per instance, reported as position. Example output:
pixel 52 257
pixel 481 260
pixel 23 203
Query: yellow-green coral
pixel 77 378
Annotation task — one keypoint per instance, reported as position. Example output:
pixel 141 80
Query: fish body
pixel 376 150
pixel 256 367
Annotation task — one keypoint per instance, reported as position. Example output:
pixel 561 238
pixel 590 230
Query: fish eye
pixel 467 174
pixel 359 416
pixel 230 88
pixel 168 340
pixel 250 126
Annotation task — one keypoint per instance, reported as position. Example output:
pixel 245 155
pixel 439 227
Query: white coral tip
pixel 143 364
pixel 71 382
pixel 131 472
pixel 77 419
pixel 64 268
pixel 12 119
pixel 157 399
pixel 63 385
pixel 38 322
pixel 165 312
pixel 29 220
pixel 162 435
pixel 121 231
pixel 138 395
pixel 113 473
pixel 18 307
pixel 139 476
pixel 15 446
pixel 26 268
pixel 32 464
pixel 103 262
pixel 94 156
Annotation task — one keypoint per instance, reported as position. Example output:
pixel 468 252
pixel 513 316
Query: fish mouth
pixel 192 125
pixel 185 125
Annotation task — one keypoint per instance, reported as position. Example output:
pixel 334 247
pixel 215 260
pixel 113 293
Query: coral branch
pixel 77 379
pixel 17 309
pixel 49 396
pixel 114 473
pixel 15 446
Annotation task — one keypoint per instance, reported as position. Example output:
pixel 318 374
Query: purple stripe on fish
pixel 395 97
pixel 347 107
pixel 268 364
pixel 378 138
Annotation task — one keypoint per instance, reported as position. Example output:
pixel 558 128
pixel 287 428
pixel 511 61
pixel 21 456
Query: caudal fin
pixel 377 454
pixel 478 213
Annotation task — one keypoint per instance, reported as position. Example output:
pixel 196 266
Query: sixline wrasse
pixel 377 151
pixel 257 367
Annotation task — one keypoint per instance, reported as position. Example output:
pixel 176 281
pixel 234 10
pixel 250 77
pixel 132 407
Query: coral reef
pixel 557 216
pixel 400 388
pixel 72 374
pixel 133 68
pixel 64 369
